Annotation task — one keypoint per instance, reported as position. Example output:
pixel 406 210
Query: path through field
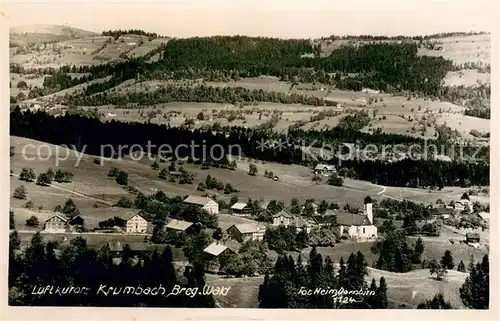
pixel 75 193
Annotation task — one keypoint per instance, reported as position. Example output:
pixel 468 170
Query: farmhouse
pixel 247 231
pixel 358 227
pixel 77 220
pixel 282 218
pixel 178 225
pixel 216 254
pixel 370 91
pixel 205 203
pixel 461 205
pixel 472 238
pixel 324 169
pixel 444 212
pixel 216 249
pixel 131 222
pixel 56 224
pixel 240 209
pixel 286 219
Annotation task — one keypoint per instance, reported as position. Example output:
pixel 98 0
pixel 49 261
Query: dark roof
pixel 444 210
pixel 348 219
pixel 472 235
pixel 324 219
pixel 115 246
pixel 380 221
pixel 127 215
pixel 368 200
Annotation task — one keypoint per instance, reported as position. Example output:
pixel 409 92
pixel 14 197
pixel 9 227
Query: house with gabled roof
pixel 284 218
pixel 205 203
pixel 178 225
pixel 131 222
pixel 247 231
pixel 57 223
pixel 472 238
pixel 324 169
pixel 240 209
pixel 217 248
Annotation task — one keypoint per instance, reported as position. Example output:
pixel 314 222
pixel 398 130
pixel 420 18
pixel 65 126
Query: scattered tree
pixel 447 260
pixel 32 221
pixel 27 175
pixel 20 192
pixel 122 178
pixel 252 170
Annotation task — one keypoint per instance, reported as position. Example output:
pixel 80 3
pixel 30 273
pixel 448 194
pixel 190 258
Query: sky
pixel 273 18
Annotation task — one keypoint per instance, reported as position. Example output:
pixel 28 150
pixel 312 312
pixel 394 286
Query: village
pixel 331 223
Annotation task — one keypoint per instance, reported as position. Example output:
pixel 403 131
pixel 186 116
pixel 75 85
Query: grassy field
pixel 92 182
pixel 417 286
pixel 462 49
pixel 85 49
pixel 409 288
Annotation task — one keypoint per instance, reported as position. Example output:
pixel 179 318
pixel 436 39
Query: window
pixel 363 230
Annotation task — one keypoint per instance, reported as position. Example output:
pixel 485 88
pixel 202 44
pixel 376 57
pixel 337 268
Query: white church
pixel 359 227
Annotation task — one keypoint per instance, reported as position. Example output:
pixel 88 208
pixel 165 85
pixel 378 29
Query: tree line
pixel 389 67
pixel 92 133
pixel 118 33
pixel 294 283
pixel 201 93
pixel 78 266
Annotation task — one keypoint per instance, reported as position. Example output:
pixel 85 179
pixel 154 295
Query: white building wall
pixel 277 221
pixel 136 225
pixel 360 232
pixel 212 207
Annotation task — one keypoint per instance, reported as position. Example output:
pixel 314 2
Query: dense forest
pixel 118 33
pixel 384 66
pixel 388 67
pixel 172 93
pixel 93 134
pixel 80 267
pixel 289 285
pixel 401 37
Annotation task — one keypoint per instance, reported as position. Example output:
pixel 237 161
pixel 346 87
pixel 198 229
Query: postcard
pixel 247 157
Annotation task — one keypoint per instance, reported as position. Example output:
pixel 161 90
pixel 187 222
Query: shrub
pixel 44 179
pixel 20 192
pixel 113 172
pixel 122 178
pixel 32 221
pixel 27 175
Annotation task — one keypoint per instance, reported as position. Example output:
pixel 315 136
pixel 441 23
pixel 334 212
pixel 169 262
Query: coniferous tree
pixel 461 266
pixel 382 294
pixel 418 250
pixel 437 303
pixel 475 292
pixel 447 260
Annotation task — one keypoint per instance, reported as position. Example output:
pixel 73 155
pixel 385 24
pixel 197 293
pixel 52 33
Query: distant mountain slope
pixel 39 33
pixel 59 30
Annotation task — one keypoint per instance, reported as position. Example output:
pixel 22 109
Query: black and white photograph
pixel 249 155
